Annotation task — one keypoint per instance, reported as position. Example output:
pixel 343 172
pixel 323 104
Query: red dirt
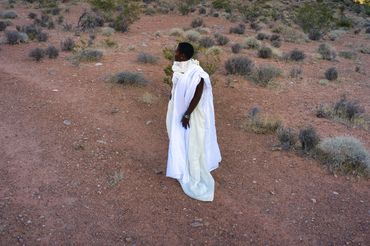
pixel 55 189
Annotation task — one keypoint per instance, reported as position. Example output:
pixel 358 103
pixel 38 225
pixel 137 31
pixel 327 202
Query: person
pixel 193 149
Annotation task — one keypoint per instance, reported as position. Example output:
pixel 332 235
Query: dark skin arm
pixel 193 104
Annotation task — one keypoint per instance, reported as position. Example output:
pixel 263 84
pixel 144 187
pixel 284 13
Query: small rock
pixel 55 90
pixel 67 122
pixel 78 145
pixel 324 82
pixel 254 182
pixel 313 200
pixel 335 193
pixel 98 64
pixel 196 224
pixel 114 110
pixel 148 122
pixel 272 193
pixel 254 159
pixel 157 171
pixel 101 141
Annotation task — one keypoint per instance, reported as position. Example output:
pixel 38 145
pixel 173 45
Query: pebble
pixel 55 90
pixel 254 182
pixel 313 200
pixel 67 122
pixel 272 193
pixel 335 193
pixel 98 64
pixel 101 141
pixel 148 122
pixel 196 224
pixel 114 110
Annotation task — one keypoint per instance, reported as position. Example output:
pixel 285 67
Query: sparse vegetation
pixel 252 43
pixel 296 55
pixel 42 36
pixel 296 72
pixel 236 48
pixel 192 35
pixel 315 18
pixel 68 44
pixel 327 52
pixel 12 37
pixel 179 32
pixel 347 109
pixel 287 137
pixel 197 22
pixel 308 138
pixel 239 29
pixel 347 54
pixel 262 36
pixel 265 74
pixel 129 78
pixel 3 25
pixel 239 65
pixel 331 74
pixel 265 52
pixel 52 52
pixel 8 14
pixel 37 54
pixel 221 39
pixel 146 58
pixel 89 55
pixel 261 124
pixel 344 154
pixel 89 20
pixel 206 42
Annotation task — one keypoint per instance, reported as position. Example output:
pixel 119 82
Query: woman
pixel 193 149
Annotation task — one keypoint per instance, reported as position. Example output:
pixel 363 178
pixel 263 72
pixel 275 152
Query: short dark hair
pixel 186 49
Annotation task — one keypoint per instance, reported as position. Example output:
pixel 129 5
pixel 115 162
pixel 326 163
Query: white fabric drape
pixel 192 153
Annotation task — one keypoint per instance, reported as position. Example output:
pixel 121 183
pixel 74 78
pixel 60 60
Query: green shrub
pixel 347 54
pixel 347 109
pixel 221 4
pixel 296 55
pixel 129 78
pixel 344 154
pixel 287 137
pixel 184 8
pixel 52 52
pixel 239 65
pixel 37 54
pixel 252 43
pixel 89 55
pixel 331 74
pixel 327 52
pixel 308 138
pixel 89 21
pixel 262 36
pixel 314 17
pixel 12 37
pixel 265 52
pixel 67 44
pixel 3 25
pixel 42 37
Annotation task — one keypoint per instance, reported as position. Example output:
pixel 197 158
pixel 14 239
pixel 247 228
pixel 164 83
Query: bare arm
pixel 193 104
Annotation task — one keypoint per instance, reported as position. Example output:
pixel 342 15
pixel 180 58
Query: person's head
pixel 184 52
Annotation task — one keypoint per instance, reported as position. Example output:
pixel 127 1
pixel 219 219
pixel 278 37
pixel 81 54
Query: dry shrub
pixel 344 154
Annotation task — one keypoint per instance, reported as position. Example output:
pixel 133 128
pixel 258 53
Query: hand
pixel 185 122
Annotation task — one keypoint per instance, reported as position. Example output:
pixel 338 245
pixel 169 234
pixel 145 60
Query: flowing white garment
pixel 192 153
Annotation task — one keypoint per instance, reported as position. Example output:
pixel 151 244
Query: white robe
pixel 193 153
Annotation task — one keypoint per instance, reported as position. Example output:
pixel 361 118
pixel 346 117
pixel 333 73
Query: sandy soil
pixel 56 185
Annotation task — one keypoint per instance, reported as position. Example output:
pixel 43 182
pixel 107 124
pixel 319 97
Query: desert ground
pixel 83 160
